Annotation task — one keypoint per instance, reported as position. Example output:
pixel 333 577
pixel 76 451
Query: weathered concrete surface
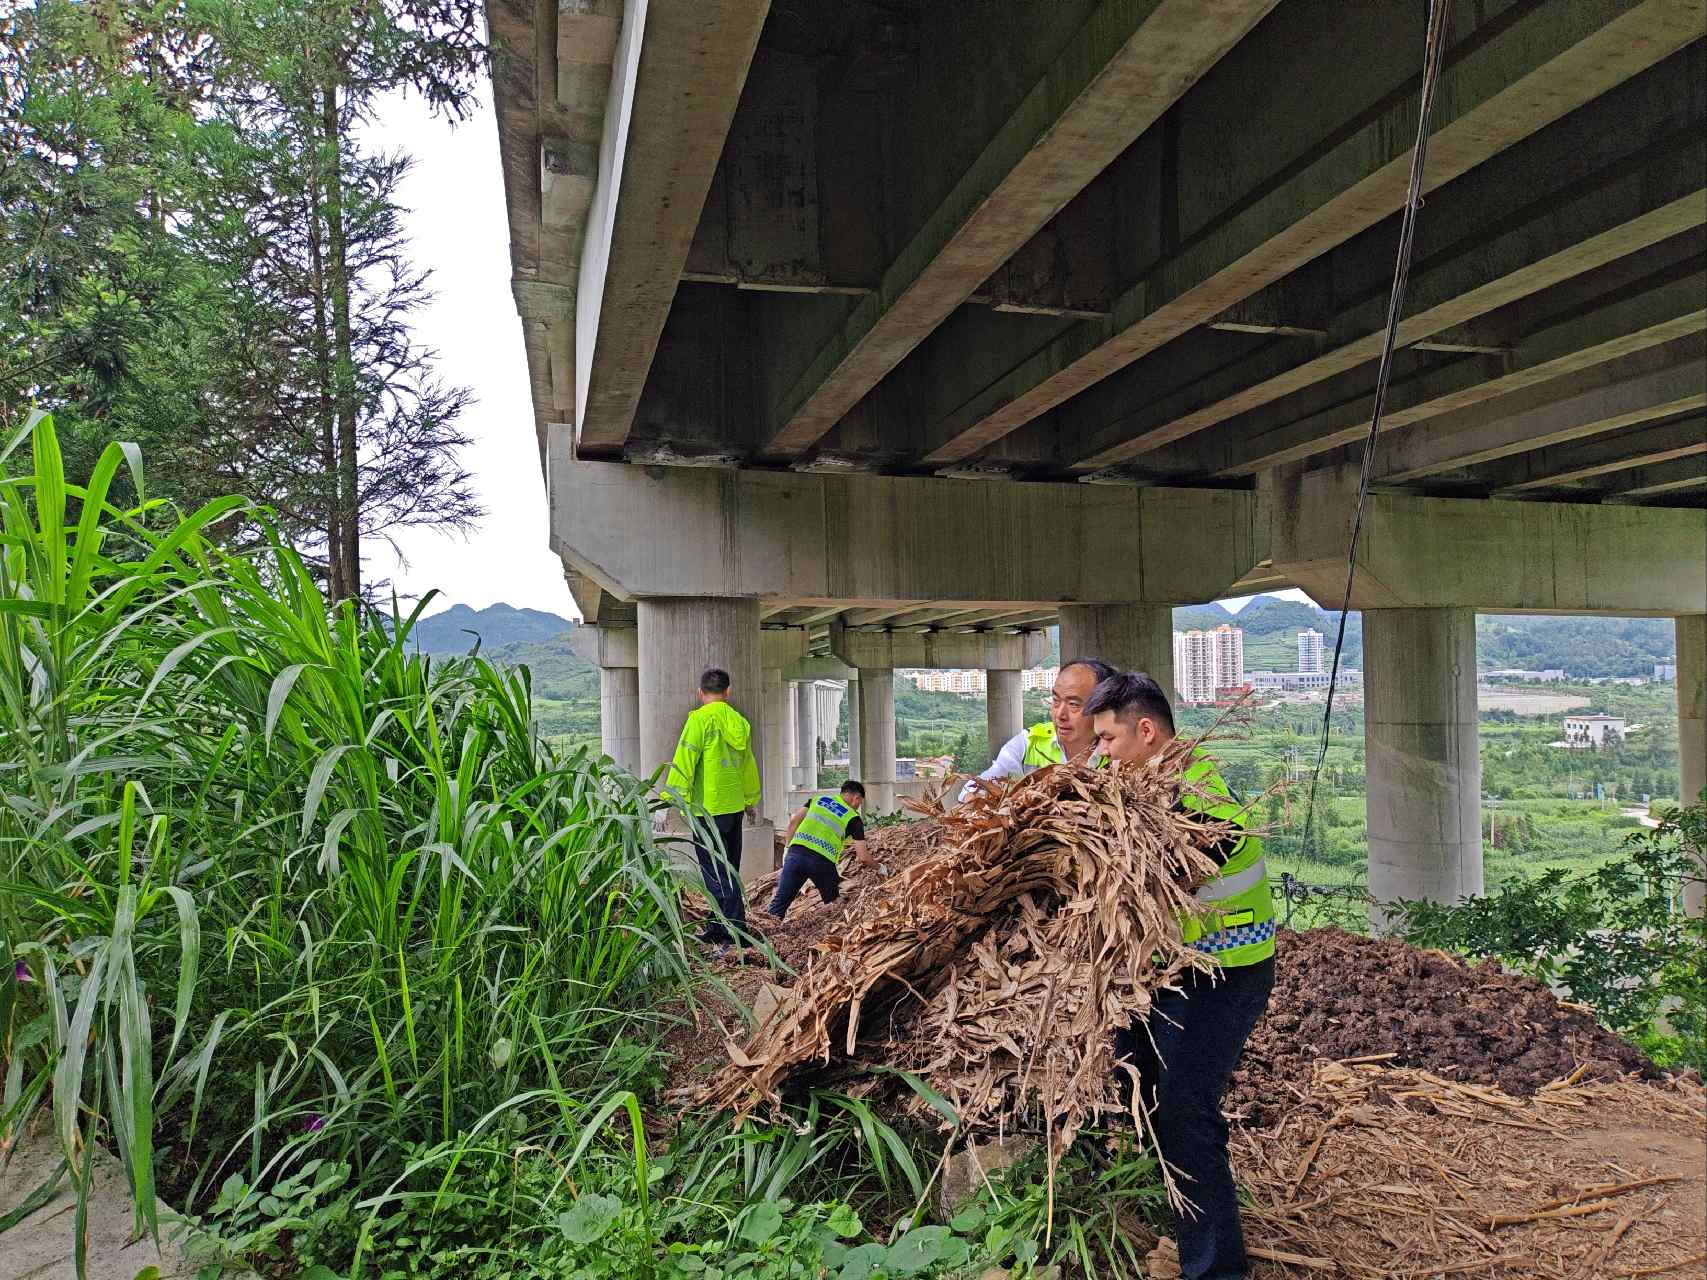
pixel 849 541
pixel 777 758
pixel 1125 66
pixel 1692 728
pixel 1004 705
pixel 1131 637
pixel 979 651
pixel 1424 762
pixel 43 1245
pixel 679 639
pixel 805 735
pixel 619 715
pixel 1515 557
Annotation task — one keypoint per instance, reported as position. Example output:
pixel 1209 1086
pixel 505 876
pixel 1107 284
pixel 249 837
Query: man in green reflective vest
pixel 1186 1052
pixel 821 830
pixel 1066 735
pixel 714 773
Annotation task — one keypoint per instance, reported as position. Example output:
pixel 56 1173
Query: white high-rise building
pixel 1310 652
pixel 1205 661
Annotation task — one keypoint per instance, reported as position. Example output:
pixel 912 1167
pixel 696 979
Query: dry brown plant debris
pixel 1045 920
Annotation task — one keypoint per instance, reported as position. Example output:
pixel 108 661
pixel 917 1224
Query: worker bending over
pixel 1185 1053
pixel 821 829
pixel 1066 735
pixel 714 773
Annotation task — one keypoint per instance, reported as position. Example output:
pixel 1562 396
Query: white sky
pixel 455 217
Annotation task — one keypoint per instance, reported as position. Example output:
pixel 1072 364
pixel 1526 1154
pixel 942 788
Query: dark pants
pixel 798 866
pixel 1198 1036
pixel 721 867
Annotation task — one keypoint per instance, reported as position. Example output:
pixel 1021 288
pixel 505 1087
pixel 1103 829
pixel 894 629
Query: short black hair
pixel 852 788
pixel 1132 695
pixel 1099 669
pixel 714 680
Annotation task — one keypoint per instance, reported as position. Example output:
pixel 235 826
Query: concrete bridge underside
pixel 867 333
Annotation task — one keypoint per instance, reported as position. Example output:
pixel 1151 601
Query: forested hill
pixel 1580 646
pixel 497 627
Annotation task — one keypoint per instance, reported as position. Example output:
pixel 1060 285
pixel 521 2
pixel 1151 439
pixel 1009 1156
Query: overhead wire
pixel 1434 47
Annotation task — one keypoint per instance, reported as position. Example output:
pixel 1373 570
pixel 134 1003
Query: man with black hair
pixel 1186 1050
pixel 714 773
pixel 1066 735
pixel 820 831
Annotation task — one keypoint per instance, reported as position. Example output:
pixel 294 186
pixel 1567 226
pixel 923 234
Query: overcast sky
pixel 456 222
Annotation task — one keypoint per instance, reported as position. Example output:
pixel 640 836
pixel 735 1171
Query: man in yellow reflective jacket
pixel 714 775
pixel 1066 735
pixel 1186 1052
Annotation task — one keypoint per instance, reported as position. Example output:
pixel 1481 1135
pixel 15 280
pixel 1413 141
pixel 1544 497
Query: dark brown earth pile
pixel 1339 995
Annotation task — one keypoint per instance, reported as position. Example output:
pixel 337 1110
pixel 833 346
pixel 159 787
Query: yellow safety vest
pixel 824 829
pixel 1236 924
pixel 1041 748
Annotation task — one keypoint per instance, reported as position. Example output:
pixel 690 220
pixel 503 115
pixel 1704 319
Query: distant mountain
pixel 497 627
pixel 1578 646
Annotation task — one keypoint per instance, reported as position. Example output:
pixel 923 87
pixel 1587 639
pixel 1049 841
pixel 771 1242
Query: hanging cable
pixel 1433 55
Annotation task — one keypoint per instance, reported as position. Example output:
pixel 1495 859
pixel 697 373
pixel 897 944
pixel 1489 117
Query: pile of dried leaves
pixel 1045 920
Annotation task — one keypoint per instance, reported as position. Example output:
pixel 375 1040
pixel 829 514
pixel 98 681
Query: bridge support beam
pixel 877 739
pixel 1692 732
pixel 1004 705
pixel 1133 637
pixel 805 735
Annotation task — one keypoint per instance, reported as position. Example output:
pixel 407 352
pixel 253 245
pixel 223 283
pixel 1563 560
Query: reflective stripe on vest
pixel 1041 748
pixel 824 829
pixel 1237 924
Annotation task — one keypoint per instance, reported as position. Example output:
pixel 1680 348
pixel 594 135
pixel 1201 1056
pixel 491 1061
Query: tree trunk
pixel 344 369
pixel 327 415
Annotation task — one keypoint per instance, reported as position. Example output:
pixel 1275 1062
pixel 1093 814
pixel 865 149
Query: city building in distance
pixel 1309 651
pixel 1207 662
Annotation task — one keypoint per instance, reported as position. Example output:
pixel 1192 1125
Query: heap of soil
pixel 1339 995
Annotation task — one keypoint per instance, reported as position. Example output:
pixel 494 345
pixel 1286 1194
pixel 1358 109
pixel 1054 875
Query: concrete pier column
pixel 805 735
pixel 680 636
pixel 1425 768
pixel 776 764
pixel 1692 732
pixel 619 715
pixel 1133 637
pixel 853 727
pixel 616 653
pixel 877 739
pixel 1004 703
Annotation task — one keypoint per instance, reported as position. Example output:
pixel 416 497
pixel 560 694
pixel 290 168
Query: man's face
pixel 852 800
pixel 1073 688
pixel 1127 740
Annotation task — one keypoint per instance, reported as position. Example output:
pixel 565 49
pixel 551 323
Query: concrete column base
pixel 758 851
pixel 1132 637
pixel 1424 761
pixel 1004 706
pixel 775 766
pixel 680 637
pixel 1692 733
pixel 805 735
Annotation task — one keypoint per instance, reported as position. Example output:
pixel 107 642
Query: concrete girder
pixel 781 647
pixel 984 651
pixel 1127 65
pixel 880 617
pixel 1598 456
pixel 1650 318
pixel 815 668
pixel 673 95
pixel 1481 434
pixel 866 541
pixel 1497 557
pixel 1532 71
pixel 606 646
pixel 1561 240
pixel 1657 481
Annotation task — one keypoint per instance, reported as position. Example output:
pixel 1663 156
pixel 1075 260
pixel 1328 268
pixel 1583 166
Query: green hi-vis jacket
pixel 1041 747
pixel 714 769
pixel 1236 925
pixel 824 829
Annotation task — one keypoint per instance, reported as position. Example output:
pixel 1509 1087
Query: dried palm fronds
pixel 1046 920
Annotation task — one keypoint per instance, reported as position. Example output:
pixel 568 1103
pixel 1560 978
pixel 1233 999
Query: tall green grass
pixel 272 885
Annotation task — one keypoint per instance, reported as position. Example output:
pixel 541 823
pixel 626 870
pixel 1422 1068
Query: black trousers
pixel 1197 1037
pixel 798 866
pixel 721 868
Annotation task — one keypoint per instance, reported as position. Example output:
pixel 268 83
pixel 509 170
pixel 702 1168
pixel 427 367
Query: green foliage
pixel 255 852
pixel 1615 935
